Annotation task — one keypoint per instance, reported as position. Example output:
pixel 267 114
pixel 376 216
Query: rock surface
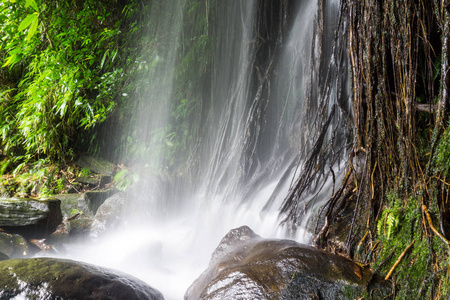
pixel 108 216
pixel 69 203
pixel 12 246
pixel 96 165
pixel 89 202
pixel 30 217
pixel 51 278
pixel 246 266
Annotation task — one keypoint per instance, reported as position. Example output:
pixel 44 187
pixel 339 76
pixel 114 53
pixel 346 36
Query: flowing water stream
pixel 258 121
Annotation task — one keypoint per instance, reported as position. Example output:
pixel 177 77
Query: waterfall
pixel 274 74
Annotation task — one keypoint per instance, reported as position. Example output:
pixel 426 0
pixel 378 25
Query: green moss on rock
pixel 51 278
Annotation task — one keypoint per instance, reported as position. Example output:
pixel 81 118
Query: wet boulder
pixel 86 203
pixel 246 266
pixel 12 246
pixel 89 202
pixel 108 215
pixel 51 278
pixel 30 217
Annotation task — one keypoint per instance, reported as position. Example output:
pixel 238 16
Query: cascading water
pixel 253 132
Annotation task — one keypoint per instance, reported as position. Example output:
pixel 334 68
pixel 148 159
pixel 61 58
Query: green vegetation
pixel 442 157
pixel 67 67
pixel 191 58
pixel 35 178
pixel 423 271
pixel 60 76
pixel 124 179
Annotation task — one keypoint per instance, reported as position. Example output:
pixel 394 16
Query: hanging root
pixel 430 223
pixel 309 172
pixel 399 260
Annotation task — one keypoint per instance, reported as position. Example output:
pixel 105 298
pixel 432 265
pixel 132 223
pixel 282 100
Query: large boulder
pixel 246 266
pixel 51 278
pixel 29 217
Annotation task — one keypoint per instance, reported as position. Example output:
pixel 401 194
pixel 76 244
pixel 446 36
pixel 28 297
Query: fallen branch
pixel 430 222
pixel 399 260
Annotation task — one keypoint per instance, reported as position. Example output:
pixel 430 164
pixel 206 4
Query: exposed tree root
pixel 430 223
pixel 399 260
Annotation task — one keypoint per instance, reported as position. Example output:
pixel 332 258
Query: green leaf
pixel 33 28
pixel 12 60
pixel 31 3
pixel 104 58
pixel 27 21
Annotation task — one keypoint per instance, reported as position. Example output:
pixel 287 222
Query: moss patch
pixel 423 271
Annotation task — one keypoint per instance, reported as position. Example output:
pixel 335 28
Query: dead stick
pixel 398 260
pixel 430 222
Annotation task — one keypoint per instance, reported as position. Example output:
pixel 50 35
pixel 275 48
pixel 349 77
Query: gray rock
pixel 96 165
pixel 246 266
pixel 13 246
pixel 6 244
pixel 51 278
pixel 69 204
pixel 93 181
pixel 30 217
pixel 79 226
pixel 3 256
pixel 86 203
pixel 60 235
pixel 108 216
pixel 89 202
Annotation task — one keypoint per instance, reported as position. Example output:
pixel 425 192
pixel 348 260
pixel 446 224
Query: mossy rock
pixel 91 201
pixel 246 266
pixel 69 204
pixel 51 278
pixel 96 165
pixel 12 246
pixel 80 226
pixel 30 217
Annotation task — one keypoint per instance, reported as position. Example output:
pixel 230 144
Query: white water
pixel 170 255
pixel 170 251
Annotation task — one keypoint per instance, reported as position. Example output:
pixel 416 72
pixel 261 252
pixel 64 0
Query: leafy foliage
pixel 41 178
pixel 70 66
pixel 124 179
pixel 179 122
pixel 60 74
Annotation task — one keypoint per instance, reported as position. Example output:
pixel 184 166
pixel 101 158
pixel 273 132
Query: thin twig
pixel 375 272
pixel 441 180
pixel 399 260
pixel 362 240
